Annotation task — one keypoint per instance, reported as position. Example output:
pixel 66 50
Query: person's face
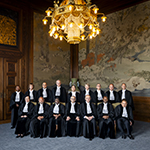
pixel 87 98
pixel 105 99
pixel 31 87
pixel 72 99
pixel 87 87
pixel 17 88
pixel 124 104
pixel 44 85
pixel 41 100
pixel 98 86
pixel 73 88
pixel 58 83
pixel 123 86
pixel 111 87
pixel 57 101
pixel 27 99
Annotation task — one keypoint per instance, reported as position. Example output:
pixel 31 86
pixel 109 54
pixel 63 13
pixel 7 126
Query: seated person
pixel 112 95
pixel 98 94
pixel 73 117
pixel 40 119
pixel 15 102
pixel 126 94
pixel 60 92
pixel 87 91
pixel 88 115
pixel 124 118
pixel 25 114
pixel 45 93
pixel 73 93
pixel 31 93
pixel 105 113
pixel 56 119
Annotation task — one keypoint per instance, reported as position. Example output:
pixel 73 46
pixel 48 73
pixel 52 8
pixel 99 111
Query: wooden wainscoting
pixel 142 108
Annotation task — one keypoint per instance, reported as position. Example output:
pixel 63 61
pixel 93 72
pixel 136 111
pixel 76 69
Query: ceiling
pixel 105 6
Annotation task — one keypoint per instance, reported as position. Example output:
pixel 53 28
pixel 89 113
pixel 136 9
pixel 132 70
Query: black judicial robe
pixel 77 97
pixel 14 109
pixel 49 95
pixel 53 122
pixel 22 126
pixel 117 99
pixel 73 126
pixel 122 121
pixel 104 124
pixel 39 127
pixel 89 127
pixel 63 94
pixel 96 98
pixel 128 97
pixel 82 97
pixel 34 95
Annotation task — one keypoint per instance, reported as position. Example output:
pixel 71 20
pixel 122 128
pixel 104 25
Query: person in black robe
pixel 105 113
pixel 15 101
pixel 73 93
pixel 126 94
pixel 25 114
pixel 56 119
pixel 87 91
pixel 124 119
pixel 60 92
pixel 45 93
pixel 38 125
pixel 73 117
pixel 98 94
pixel 112 95
pixel 31 93
pixel 88 115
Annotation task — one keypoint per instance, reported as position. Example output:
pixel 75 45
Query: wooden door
pixel 9 79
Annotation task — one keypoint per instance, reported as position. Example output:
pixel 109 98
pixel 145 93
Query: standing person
pixel 99 94
pixel 88 114
pixel 25 114
pixel 31 93
pixel 126 94
pixel 60 92
pixel 73 93
pixel 112 95
pixel 87 91
pixel 38 125
pixel 15 101
pixel 56 119
pixel 105 113
pixel 124 118
pixel 45 93
pixel 73 117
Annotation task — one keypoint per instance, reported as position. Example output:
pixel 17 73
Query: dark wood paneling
pixel 142 108
pixel 74 51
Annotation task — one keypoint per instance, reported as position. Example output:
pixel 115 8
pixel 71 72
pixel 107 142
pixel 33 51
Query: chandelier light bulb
pixel 95 10
pixel 48 12
pixel 71 24
pixel 103 18
pixel 45 21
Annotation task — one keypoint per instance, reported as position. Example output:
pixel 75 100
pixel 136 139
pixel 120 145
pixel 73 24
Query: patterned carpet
pixel 141 132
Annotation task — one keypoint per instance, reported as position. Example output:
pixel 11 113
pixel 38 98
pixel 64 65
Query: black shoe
pixel 12 127
pixel 90 139
pixel 17 136
pixel 131 137
pixel 22 136
pixel 41 136
pixel 124 136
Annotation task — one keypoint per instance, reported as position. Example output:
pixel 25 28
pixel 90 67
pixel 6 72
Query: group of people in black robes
pixel 54 113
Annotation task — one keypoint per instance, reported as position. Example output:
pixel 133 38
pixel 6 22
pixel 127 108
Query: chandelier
pixel 73 20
